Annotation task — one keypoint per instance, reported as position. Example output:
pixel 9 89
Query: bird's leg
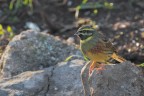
pixel 92 66
pixel 100 68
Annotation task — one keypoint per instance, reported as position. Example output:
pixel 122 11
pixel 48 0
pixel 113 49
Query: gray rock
pixel 123 79
pixel 27 84
pixel 33 51
pixel 66 79
pixel 61 80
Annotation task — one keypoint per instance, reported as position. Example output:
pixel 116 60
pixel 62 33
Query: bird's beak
pixel 77 33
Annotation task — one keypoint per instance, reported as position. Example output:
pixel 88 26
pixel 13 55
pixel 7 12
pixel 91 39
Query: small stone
pixel 137 44
pixel 70 40
pixel 142 34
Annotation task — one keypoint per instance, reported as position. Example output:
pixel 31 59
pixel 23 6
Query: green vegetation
pixel 93 5
pixel 11 15
pixel 6 34
pixel 16 4
pixel 68 58
pixel 8 31
pixel 13 8
pixel 141 65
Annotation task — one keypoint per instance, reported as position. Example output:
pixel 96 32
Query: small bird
pixel 96 47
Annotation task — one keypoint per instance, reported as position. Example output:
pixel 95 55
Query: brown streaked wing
pixel 98 48
pixel 103 47
pixel 110 46
pixel 107 43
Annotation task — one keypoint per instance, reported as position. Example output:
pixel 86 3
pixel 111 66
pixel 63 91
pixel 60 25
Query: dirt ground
pixel 124 24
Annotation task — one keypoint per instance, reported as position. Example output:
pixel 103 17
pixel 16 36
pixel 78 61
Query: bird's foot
pixel 100 68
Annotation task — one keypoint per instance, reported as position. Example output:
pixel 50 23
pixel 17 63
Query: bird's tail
pixel 118 58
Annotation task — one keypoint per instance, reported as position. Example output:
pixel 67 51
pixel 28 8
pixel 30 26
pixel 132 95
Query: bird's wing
pixel 110 46
pixel 102 47
pixel 107 43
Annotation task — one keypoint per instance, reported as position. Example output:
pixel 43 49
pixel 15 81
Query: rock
pixel 70 40
pixel 32 50
pixel 123 79
pixel 66 79
pixel 27 84
pixel 32 26
pixel 61 80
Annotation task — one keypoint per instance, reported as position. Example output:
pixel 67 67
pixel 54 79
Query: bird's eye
pixel 86 32
pixel 89 33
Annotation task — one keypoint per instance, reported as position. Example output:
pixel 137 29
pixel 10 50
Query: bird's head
pixel 85 32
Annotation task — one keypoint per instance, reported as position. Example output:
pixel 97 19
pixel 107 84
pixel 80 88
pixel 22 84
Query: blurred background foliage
pixel 16 4
pixel 122 21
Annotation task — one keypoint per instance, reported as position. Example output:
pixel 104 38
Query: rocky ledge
pixel 33 65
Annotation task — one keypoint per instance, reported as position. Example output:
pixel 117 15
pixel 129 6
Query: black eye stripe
pixel 86 33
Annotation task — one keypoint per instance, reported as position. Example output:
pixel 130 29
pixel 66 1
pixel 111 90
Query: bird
pixel 96 48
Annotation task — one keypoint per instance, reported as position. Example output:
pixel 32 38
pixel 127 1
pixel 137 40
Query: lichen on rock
pixel 32 50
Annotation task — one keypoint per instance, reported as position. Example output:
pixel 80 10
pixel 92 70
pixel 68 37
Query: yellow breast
pixel 99 57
